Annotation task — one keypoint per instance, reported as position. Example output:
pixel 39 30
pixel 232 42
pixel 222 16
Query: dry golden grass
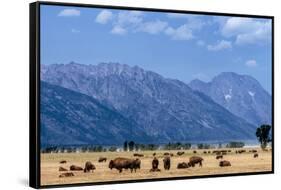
pixel 241 163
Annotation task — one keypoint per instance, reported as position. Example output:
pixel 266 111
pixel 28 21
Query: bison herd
pixel 121 164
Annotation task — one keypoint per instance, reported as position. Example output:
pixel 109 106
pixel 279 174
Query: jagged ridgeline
pixel 109 103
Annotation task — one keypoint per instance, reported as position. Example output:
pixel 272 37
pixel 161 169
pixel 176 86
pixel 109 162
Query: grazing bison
pixel 195 160
pixel 125 163
pixel 256 155
pixel 224 163
pixel 67 174
pixel 61 169
pixel 155 163
pixel 219 157
pixel 138 155
pixel 167 162
pixel 75 168
pixel 102 159
pixel 89 166
pixel 63 162
pixel 182 165
pixel 154 154
pixel 180 153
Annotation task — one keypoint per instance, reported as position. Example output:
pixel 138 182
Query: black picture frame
pixel 34 92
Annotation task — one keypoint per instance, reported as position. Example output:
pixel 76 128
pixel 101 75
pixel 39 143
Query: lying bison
pixel 125 163
pixel 67 174
pixel 155 163
pixel 89 166
pixel 219 157
pixel 256 155
pixel 180 153
pixel 224 163
pixel 138 155
pixel 61 169
pixel 195 160
pixel 167 162
pixel 75 168
pixel 63 162
pixel 182 165
pixel 102 159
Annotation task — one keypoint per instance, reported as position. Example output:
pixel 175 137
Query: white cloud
pixel 177 15
pixel 251 63
pixel 69 12
pixel 129 18
pixel 220 45
pixel 181 33
pixel 104 17
pixel 118 30
pixel 73 30
pixel 247 30
pixel 153 27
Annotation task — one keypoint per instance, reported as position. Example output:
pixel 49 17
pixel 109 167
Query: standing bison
pixel 195 160
pixel 167 162
pixel 89 166
pixel 125 163
pixel 155 163
pixel 256 155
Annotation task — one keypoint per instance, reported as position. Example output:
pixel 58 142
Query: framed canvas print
pixel 123 94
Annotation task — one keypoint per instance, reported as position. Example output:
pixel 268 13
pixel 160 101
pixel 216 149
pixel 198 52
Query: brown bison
pixel 102 159
pixel 63 162
pixel 224 163
pixel 75 168
pixel 154 154
pixel 256 155
pixel 171 154
pixel 67 174
pixel 166 154
pixel 167 162
pixel 195 160
pixel 180 153
pixel 155 163
pixel 219 157
pixel 138 155
pixel 125 163
pixel 61 169
pixel 89 166
pixel 182 165
pixel 194 151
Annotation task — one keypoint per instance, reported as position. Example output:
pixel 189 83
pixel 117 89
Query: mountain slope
pixel 69 117
pixel 240 94
pixel 166 109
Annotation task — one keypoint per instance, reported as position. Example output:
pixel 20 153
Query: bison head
pixel 111 164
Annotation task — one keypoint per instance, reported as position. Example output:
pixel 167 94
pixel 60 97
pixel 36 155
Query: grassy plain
pixel 241 163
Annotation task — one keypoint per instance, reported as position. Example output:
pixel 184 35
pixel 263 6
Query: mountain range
pixel 109 103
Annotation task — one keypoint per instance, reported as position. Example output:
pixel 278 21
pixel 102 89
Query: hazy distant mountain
pixel 69 117
pixel 166 109
pixel 240 94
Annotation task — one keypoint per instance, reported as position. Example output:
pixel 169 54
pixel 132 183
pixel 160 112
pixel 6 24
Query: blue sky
pixel 180 46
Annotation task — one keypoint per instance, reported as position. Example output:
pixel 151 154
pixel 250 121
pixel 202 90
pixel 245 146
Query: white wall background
pixel 14 75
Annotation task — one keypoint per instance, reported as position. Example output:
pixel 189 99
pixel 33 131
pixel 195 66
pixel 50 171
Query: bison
pixel 75 168
pixel 194 151
pixel 89 166
pixel 67 174
pixel 63 162
pixel 256 155
pixel 182 165
pixel 154 154
pixel 224 163
pixel 167 162
pixel 195 160
pixel 102 159
pixel 180 153
pixel 125 163
pixel 155 163
pixel 219 157
pixel 166 154
pixel 61 169
pixel 138 155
